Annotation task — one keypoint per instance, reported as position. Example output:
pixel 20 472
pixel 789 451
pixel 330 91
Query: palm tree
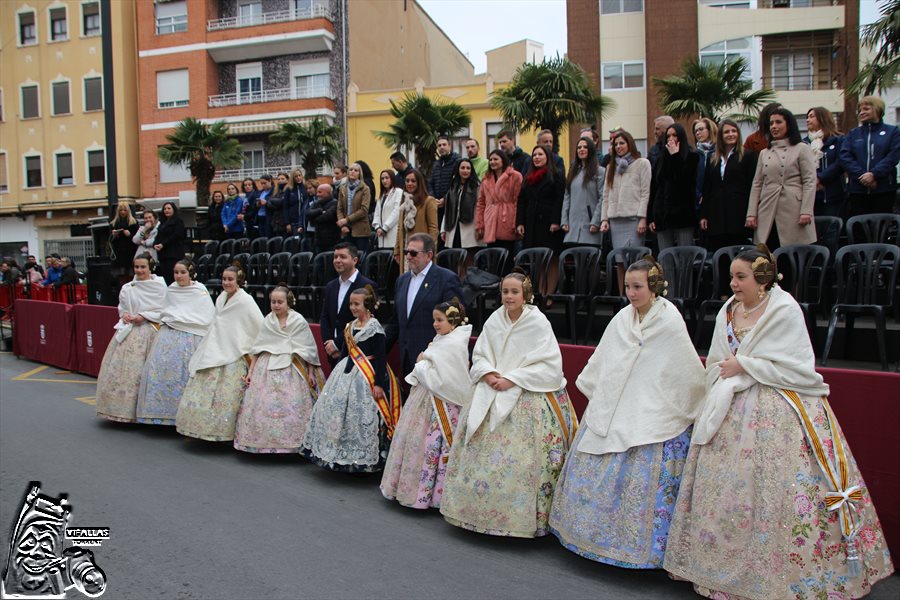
pixel 419 122
pixel 316 144
pixel 550 95
pixel 884 34
pixel 710 90
pixel 203 148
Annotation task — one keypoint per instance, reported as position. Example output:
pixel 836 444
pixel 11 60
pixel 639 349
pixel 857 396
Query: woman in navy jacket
pixel 869 155
pixel 825 141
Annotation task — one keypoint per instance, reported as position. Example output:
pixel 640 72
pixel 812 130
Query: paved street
pixel 196 520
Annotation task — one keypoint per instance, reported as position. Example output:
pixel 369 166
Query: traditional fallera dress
pixel 212 397
pixel 186 316
pixel 123 363
pixel 417 463
pixel 616 494
pixel 510 446
pixel 772 503
pixel 349 430
pixel 284 385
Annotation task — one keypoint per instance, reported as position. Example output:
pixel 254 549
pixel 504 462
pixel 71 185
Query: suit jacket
pixel 332 319
pixel 416 331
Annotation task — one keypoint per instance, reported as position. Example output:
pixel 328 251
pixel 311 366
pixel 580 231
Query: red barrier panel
pixel 93 332
pixel 43 332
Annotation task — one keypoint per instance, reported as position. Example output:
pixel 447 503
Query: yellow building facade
pixel 369 112
pixel 53 157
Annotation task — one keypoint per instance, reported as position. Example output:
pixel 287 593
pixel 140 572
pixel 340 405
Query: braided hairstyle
pixel 370 299
pixel 656 279
pixel 151 262
pixel 189 265
pixel 519 274
pixel 763 264
pixel 238 271
pixel 288 294
pixel 454 310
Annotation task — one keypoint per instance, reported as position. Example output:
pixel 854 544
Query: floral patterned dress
pixel 501 482
pixel 165 376
pixel 616 508
pixel 209 407
pixel 750 519
pixel 119 380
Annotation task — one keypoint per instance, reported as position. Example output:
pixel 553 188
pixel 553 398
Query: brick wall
pixel 583 22
pixel 667 25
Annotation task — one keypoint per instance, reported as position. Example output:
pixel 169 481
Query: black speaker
pixel 101 284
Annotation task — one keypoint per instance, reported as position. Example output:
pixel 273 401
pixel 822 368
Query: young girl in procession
pixel 186 316
pixel 772 504
pixel 355 415
pixel 417 463
pixel 283 382
pixel 645 384
pixel 140 303
pixel 512 439
pixel 212 397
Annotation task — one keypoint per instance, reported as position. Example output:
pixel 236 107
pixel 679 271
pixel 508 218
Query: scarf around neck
pixel 623 162
pixel 536 176
pixel 816 142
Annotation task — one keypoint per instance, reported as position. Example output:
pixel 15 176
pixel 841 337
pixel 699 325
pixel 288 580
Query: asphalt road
pixel 196 520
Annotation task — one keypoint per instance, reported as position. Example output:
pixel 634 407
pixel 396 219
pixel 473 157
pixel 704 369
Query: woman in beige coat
pixel 418 214
pixel 353 209
pixel 784 188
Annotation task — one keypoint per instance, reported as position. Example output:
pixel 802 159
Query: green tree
pixel 203 148
pixel 882 71
pixel 550 95
pixel 711 90
pixel 419 121
pixel 316 144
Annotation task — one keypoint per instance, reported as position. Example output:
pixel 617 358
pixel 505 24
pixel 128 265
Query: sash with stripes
pixel 388 407
pixel 248 359
pixel 568 421
pixel 440 409
pixel 842 496
pixel 310 374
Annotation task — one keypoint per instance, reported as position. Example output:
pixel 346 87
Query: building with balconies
pixel 806 50
pixel 58 167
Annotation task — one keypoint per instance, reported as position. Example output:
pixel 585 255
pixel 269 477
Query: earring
pixel 762 293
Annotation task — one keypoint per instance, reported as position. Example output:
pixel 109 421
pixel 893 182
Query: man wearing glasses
pixel 422 287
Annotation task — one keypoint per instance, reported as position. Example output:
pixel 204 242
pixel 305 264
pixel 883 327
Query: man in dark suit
pixel 323 215
pixel 419 290
pixel 336 311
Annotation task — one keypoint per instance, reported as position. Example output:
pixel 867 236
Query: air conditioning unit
pixel 187 199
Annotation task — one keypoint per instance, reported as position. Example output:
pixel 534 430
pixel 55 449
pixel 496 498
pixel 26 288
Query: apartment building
pixel 54 161
pixel 806 50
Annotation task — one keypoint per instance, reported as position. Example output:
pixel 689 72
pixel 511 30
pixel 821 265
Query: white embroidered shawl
pixel 776 353
pixel 188 308
pixel 145 298
pixel 444 368
pixel 645 382
pixel 525 352
pixel 282 344
pixel 232 333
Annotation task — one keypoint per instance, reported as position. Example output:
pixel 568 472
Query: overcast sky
pixel 476 26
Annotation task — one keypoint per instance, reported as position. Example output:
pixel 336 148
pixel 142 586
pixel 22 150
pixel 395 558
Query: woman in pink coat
pixel 495 212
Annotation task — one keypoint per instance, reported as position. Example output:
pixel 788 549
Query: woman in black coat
pixel 215 230
pixel 671 213
pixel 170 241
pixel 122 228
pixel 726 190
pixel 540 210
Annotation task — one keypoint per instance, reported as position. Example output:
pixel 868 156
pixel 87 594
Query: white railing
pixel 238 175
pixel 317 10
pixel 318 91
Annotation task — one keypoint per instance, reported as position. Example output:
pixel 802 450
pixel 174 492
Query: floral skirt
pixel 209 406
pixel 416 465
pixel 345 430
pixel 275 411
pixel 165 375
pixel 750 519
pixel 501 482
pixel 120 374
pixel 616 508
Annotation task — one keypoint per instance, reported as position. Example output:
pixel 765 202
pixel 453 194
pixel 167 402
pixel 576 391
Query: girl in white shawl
pixel 283 382
pixel 186 315
pixel 140 303
pixel 417 463
pixel 512 439
pixel 212 397
pixel 616 494
pixel 772 504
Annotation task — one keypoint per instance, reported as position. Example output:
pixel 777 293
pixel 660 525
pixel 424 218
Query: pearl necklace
pixel 749 312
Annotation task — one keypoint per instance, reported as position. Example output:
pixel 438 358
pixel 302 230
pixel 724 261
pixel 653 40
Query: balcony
pixel 317 10
pixel 797 3
pixel 221 100
pixel 254 173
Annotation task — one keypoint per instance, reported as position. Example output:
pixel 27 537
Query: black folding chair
pixel 535 262
pixel 721 287
pixel 451 258
pixel 683 270
pixel 578 279
pixel 803 268
pixel 493 261
pixel 611 296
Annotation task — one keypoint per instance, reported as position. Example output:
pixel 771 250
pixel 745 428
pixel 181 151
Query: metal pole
pixel 109 106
